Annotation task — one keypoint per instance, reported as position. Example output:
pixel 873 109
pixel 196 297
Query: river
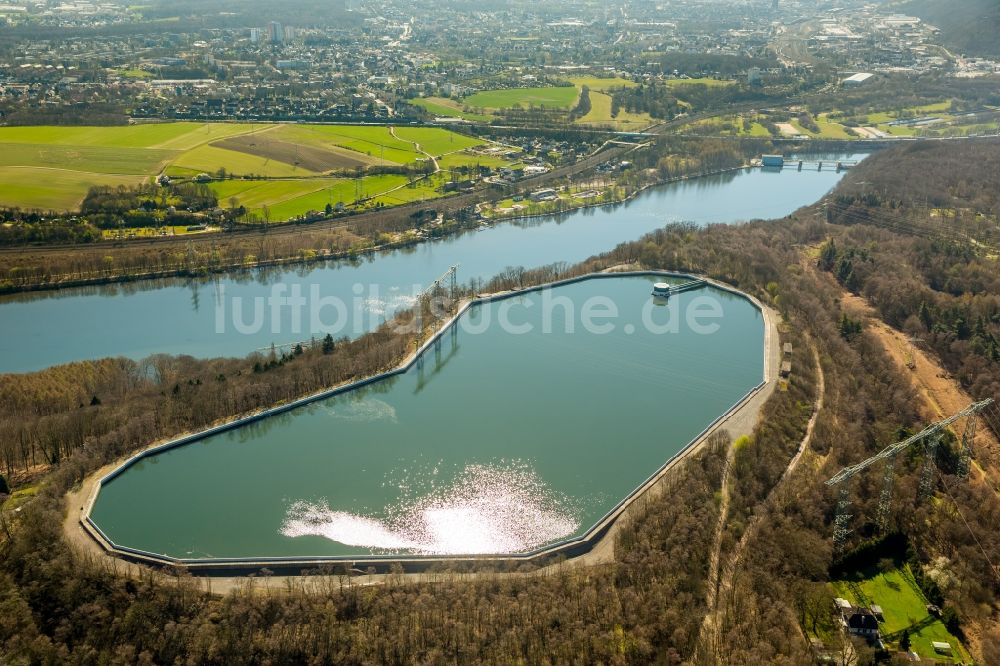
pixel 231 316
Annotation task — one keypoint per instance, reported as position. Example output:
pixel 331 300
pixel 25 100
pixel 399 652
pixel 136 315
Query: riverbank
pixel 594 547
pixel 56 267
pixel 450 229
pixel 179 316
pixel 629 196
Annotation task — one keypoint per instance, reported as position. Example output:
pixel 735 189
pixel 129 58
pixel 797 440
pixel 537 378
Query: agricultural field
pixel 32 188
pixel 277 200
pixel 210 158
pixel 198 134
pixel 310 158
pixel 422 190
pixel 904 607
pixel 374 143
pixel 153 135
pixel 552 97
pixel 92 159
pixel 51 168
pixel 437 141
pixel 257 194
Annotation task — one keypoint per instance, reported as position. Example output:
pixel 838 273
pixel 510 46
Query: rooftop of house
pixel 862 619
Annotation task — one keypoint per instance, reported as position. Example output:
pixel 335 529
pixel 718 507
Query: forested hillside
pixel 967 26
pixel 936 279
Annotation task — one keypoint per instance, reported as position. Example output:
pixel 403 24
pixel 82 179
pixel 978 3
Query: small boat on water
pixel 661 290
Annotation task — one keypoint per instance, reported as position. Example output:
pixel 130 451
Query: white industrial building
pixel 857 79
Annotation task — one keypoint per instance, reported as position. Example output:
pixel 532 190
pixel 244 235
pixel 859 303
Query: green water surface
pixel 567 423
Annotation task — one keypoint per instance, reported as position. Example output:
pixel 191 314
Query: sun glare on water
pixel 487 510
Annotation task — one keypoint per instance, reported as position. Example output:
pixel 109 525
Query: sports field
pixel 51 168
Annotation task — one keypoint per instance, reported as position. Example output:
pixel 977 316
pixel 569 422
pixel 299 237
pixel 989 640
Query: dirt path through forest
pixel 719 586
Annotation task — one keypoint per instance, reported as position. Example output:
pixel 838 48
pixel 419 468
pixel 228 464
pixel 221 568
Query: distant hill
pixel 967 26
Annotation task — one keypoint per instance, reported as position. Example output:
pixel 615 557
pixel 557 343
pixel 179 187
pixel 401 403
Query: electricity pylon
pixel 931 437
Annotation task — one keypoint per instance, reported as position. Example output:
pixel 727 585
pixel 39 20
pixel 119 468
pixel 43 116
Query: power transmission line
pixel 931 438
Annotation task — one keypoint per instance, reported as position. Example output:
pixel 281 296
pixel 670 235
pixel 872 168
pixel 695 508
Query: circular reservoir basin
pixel 532 419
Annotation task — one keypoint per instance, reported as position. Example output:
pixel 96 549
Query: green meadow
pixel 600 114
pixel 448 108
pixel 712 83
pixel 284 199
pixel 598 84
pixel 552 97
pixel 52 189
pixel 437 141
pixel 904 608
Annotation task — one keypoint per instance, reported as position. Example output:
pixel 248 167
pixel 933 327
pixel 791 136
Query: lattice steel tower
pixel 931 438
